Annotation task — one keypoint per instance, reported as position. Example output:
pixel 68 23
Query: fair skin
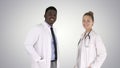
pixel 87 24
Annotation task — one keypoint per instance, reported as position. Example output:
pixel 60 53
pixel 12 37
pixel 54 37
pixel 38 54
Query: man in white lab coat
pixel 41 42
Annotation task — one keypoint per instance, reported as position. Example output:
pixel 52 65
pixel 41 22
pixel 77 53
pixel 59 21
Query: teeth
pixel 52 19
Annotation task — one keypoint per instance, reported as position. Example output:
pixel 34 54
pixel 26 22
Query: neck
pixel 49 24
pixel 88 30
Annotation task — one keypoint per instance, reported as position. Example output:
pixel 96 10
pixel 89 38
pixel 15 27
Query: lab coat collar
pixel 91 33
pixel 46 25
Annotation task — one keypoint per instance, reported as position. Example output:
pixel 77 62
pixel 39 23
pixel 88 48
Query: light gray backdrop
pixel 17 17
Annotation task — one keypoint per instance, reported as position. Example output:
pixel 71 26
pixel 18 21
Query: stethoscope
pixel 85 39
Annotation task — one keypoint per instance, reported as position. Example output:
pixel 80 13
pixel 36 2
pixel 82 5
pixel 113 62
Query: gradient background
pixel 17 17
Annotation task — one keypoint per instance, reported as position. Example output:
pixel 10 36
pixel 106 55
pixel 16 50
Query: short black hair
pixel 50 8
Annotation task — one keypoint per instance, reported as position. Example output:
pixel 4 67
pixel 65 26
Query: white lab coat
pixel 38 45
pixel 94 54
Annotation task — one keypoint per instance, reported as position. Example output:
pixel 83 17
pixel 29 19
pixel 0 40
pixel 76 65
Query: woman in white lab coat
pixel 91 49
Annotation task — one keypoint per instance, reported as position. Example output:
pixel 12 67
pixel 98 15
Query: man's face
pixel 50 17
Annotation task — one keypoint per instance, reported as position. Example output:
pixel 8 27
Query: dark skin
pixel 50 17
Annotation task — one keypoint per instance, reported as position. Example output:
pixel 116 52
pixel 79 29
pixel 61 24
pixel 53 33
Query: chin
pixel 51 23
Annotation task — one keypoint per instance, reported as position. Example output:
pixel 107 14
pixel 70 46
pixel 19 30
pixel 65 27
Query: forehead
pixel 51 11
pixel 87 17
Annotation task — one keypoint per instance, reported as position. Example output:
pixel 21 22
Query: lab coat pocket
pixel 42 63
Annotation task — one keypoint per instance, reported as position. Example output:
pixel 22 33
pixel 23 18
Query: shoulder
pixel 82 35
pixel 36 28
pixel 96 35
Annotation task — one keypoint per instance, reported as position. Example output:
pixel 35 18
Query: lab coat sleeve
pixel 78 55
pixel 31 39
pixel 101 53
pixel 76 64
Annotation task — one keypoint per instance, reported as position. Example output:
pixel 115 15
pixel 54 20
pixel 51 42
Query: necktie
pixel 54 42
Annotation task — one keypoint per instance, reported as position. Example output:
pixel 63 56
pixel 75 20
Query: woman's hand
pixel 89 66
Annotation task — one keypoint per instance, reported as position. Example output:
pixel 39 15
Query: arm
pixel 101 53
pixel 78 55
pixel 31 39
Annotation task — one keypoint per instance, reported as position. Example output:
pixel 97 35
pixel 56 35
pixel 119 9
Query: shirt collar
pixel 47 25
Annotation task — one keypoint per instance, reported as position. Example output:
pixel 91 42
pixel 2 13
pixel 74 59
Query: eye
pixel 83 20
pixel 54 15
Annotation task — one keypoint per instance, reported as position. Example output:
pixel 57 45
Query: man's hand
pixel 89 66
pixel 75 66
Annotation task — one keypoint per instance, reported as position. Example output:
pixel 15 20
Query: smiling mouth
pixel 51 19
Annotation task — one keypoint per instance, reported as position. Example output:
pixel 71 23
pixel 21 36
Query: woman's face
pixel 87 22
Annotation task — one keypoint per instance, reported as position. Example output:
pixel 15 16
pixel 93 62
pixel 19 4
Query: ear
pixel 44 15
